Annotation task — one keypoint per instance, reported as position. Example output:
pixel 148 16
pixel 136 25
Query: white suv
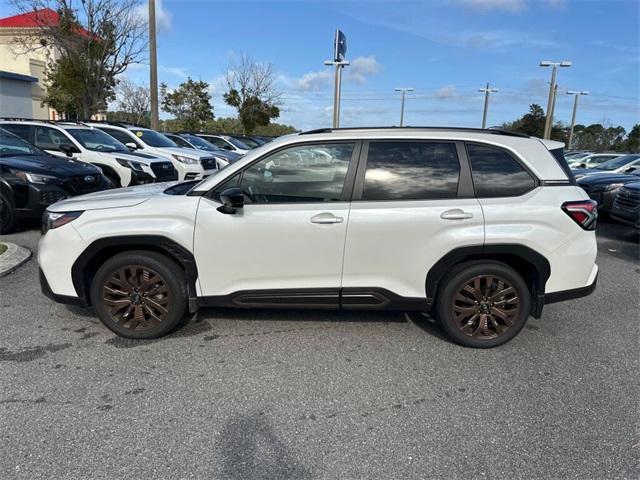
pixel 190 164
pixel 88 144
pixel 482 227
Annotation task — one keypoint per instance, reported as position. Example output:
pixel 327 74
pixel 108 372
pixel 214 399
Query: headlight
pixel 34 177
pixel 129 164
pixel 51 220
pixel 187 160
pixel 613 186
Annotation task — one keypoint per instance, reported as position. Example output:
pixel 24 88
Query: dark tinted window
pixel 411 171
pixel 304 174
pixel 496 173
pixel 50 138
pixel 122 137
pixel 20 130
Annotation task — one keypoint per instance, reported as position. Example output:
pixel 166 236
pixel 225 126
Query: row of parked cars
pixel 42 162
pixel 611 179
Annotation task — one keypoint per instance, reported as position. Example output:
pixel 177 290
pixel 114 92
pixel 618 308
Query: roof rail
pixel 117 124
pixel 53 122
pixel 496 131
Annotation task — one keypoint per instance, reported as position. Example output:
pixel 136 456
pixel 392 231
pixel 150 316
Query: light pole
pixel 403 90
pixel 576 95
pixel 153 65
pixel 487 91
pixel 552 85
pixel 336 89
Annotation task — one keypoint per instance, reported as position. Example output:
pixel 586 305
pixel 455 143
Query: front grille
pixel 84 183
pixel 627 200
pixel 164 171
pixel 52 196
pixel 209 163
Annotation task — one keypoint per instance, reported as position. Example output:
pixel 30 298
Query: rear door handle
pixel 326 217
pixel 456 214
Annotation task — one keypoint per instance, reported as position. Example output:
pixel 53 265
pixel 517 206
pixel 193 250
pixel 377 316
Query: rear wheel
pixel 140 294
pixel 483 304
pixel 7 213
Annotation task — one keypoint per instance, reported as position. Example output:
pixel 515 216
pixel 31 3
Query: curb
pixel 12 258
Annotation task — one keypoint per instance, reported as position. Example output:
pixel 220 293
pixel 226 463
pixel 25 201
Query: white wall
pixel 15 98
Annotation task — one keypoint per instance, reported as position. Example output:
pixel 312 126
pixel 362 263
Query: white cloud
pixel 175 71
pixel 448 91
pixel 313 81
pixel 163 17
pixel 361 68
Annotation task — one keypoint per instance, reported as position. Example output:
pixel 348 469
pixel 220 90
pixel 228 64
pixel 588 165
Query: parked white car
pixel 190 164
pixel 622 164
pixel 88 144
pixel 482 227
pixel 592 160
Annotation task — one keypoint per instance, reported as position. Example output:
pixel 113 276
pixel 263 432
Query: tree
pixel 133 100
pixel 632 144
pixel 92 42
pixel 189 103
pixel 532 123
pixel 597 137
pixel 252 92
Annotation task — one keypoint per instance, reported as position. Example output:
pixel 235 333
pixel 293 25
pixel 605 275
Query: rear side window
pixel 496 173
pixel 411 171
pixel 558 154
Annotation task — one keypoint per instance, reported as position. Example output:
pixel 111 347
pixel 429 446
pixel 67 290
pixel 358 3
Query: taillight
pixel 583 212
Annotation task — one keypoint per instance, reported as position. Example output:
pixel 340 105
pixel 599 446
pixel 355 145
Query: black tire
pixel 473 322
pixel 154 287
pixel 114 179
pixel 7 213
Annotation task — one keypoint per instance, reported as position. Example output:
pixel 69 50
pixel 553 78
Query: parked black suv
pixel 31 180
pixel 604 187
pixel 626 206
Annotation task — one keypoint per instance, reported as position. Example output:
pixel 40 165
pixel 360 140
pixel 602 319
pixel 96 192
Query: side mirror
pixel 69 150
pixel 630 169
pixel 232 199
pixel 131 146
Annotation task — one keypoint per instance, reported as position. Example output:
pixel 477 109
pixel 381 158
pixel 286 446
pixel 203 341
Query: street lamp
pixel 576 95
pixel 403 90
pixel 487 91
pixel 552 98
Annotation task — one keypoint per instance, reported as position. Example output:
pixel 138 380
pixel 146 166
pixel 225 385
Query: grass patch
pixel 3 248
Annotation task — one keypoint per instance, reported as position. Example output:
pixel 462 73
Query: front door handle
pixel 456 214
pixel 326 217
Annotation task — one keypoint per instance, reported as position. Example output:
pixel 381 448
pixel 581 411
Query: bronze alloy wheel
pixel 136 297
pixel 485 307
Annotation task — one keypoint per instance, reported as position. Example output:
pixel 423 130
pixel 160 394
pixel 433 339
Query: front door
pixel 288 240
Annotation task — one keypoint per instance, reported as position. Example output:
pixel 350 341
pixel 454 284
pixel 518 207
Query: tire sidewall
pixel 455 279
pixel 171 273
pixel 8 203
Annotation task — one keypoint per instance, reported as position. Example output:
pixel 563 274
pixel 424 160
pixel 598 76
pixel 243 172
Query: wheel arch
pixel 531 265
pixel 88 262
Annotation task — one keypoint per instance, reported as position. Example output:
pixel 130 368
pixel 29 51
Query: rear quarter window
pixel 496 173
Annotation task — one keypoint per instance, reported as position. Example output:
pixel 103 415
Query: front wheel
pixel 140 294
pixel 483 304
pixel 7 213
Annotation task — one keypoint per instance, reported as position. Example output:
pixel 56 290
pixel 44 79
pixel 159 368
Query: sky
pixel 445 49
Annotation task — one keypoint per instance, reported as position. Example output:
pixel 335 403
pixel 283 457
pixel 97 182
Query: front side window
pixel 304 174
pixel 50 139
pixel 179 141
pixel 496 173
pixel 411 171
pixel 122 137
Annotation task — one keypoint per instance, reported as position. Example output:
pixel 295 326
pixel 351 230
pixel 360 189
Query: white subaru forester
pixel 480 227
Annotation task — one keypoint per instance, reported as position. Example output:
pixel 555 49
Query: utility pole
pixel 553 109
pixel 403 90
pixel 153 65
pixel 552 87
pixel 576 95
pixel 487 91
pixel 336 88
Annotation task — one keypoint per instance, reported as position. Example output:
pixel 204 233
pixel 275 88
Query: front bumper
pixel 33 199
pixel 66 299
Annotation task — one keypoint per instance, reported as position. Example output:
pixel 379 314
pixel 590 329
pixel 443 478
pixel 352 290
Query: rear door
pixel 413 203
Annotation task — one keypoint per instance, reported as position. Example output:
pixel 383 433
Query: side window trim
pixel 465 183
pixel 536 181
pixel 347 188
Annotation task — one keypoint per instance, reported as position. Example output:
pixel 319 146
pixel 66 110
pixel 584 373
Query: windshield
pixel 237 143
pixel 153 138
pixel 249 141
pixel 97 140
pixel 10 146
pixel 617 162
pixel 200 143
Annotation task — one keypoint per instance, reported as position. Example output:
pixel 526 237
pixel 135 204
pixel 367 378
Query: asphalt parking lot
pixel 282 394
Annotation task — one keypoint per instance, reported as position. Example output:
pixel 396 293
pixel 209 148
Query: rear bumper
pixel 66 299
pixel 572 294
